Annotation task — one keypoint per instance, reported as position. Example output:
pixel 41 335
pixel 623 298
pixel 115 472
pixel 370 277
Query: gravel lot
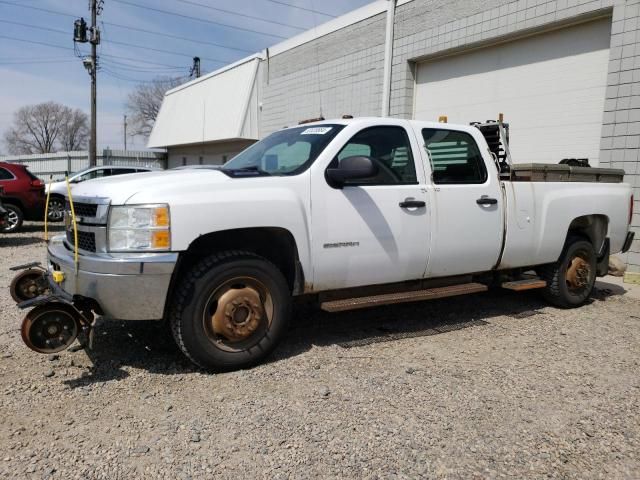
pixel 485 386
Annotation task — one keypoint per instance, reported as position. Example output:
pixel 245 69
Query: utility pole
pixel 95 40
pixel 91 64
pixel 125 133
pixel 195 70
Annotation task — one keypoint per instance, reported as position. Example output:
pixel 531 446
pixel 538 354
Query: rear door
pixel 362 234
pixel 467 204
pixel 7 180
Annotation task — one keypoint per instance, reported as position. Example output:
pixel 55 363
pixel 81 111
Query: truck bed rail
pixel 542 172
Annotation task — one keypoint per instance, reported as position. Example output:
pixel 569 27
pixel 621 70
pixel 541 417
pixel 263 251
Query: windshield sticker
pixel 316 131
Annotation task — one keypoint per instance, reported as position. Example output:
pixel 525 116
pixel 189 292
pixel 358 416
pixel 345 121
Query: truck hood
pixel 158 185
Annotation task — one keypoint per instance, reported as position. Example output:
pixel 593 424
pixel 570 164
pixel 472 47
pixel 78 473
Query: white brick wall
pixel 338 74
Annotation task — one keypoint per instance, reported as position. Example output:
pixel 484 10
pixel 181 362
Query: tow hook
pixel 57 318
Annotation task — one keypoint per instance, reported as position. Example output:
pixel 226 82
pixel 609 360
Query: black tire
pixel 56 209
pixel 567 286
pixel 195 307
pixel 14 219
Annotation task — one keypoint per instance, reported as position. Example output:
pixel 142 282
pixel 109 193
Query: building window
pixel 184 161
pixel 224 159
pixel 201 160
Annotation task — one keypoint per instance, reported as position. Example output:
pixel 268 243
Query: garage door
pixel 551 88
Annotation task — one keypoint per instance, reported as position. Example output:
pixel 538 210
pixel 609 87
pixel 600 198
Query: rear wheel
pixel 230 311
pixel 15 218
pixel 570 280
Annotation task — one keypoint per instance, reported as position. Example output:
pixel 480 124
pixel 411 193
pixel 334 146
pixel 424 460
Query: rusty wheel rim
pixel 50 328
pixel 27 287
pixel 238 314
pixel 578 274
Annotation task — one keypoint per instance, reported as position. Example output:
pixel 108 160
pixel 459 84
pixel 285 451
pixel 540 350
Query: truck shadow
pixel 14 241
pixel 39 227
pixel 149 346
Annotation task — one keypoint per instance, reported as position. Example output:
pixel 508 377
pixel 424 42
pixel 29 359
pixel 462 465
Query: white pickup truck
pixel 351 212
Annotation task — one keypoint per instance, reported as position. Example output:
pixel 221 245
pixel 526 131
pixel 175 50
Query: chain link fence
pixel 57 164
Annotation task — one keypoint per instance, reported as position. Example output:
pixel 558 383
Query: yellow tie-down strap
pixel 75 225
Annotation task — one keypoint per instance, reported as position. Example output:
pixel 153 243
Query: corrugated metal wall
pixel 56 164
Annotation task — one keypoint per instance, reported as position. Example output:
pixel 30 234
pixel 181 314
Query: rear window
pixel 5 174
pixel 455 157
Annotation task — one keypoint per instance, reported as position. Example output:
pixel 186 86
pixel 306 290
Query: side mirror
pixel 351 168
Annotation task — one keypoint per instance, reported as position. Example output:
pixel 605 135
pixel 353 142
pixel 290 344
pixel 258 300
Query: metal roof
pixel 220 106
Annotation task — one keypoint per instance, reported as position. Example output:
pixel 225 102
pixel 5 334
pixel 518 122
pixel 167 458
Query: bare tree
pixel 75 131
pixel 143 104
pixel 45 128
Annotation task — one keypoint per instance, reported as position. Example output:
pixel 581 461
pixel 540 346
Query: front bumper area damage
pixel 64 301
pixel 124 286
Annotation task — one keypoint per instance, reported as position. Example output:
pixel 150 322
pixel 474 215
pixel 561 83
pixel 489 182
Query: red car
pixel 4 215
pixel 23 196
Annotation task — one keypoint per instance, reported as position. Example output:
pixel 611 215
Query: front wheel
pixel 15 217
pixel 55 210
pixel 230 311
pixel 570 280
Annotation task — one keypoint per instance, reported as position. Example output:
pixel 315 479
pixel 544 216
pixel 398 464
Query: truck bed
pixel 542 172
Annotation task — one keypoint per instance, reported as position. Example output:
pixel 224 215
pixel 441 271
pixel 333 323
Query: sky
pixel 49 70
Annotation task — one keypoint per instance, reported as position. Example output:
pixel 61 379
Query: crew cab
pixel 352 213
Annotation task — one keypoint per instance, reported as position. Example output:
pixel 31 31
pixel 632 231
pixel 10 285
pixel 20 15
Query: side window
pixel 122 171
pixel 5 174
pixel 455 157
pixel 390 150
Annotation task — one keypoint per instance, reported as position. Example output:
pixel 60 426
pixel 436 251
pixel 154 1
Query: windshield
pixel 286 152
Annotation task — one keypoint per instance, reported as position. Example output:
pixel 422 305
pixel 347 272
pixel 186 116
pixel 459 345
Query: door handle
pixel 484 200
pixel 412 204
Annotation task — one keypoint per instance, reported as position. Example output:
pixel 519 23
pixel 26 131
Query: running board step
pixel 522 285
pixel 402 297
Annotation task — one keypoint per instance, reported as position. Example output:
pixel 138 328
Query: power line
pixel 34 62
pixel 128 66
pixel 36 43
pixel 203 20
pixel 126 78
pixel 181 54
pixel 301 8
pixel 177 37
pixel 60 47
pixel 244 15
pixel 151 32
pixel 38 8
pixel 62 32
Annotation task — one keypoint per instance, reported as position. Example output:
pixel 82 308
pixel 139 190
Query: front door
pixel 376 230
pixel 467 203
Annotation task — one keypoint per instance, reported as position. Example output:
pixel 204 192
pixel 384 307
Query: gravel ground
pixel 485 386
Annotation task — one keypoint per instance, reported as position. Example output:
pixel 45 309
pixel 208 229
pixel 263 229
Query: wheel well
pixel 592 227
pixel 275 244
pixel 13 201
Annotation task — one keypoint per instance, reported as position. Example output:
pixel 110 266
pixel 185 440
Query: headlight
pixel 139 228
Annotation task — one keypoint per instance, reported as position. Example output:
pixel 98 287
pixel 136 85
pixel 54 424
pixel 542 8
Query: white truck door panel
pixel 361 233
pixel 467 203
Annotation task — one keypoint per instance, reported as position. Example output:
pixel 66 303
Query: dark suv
pixel 23 196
